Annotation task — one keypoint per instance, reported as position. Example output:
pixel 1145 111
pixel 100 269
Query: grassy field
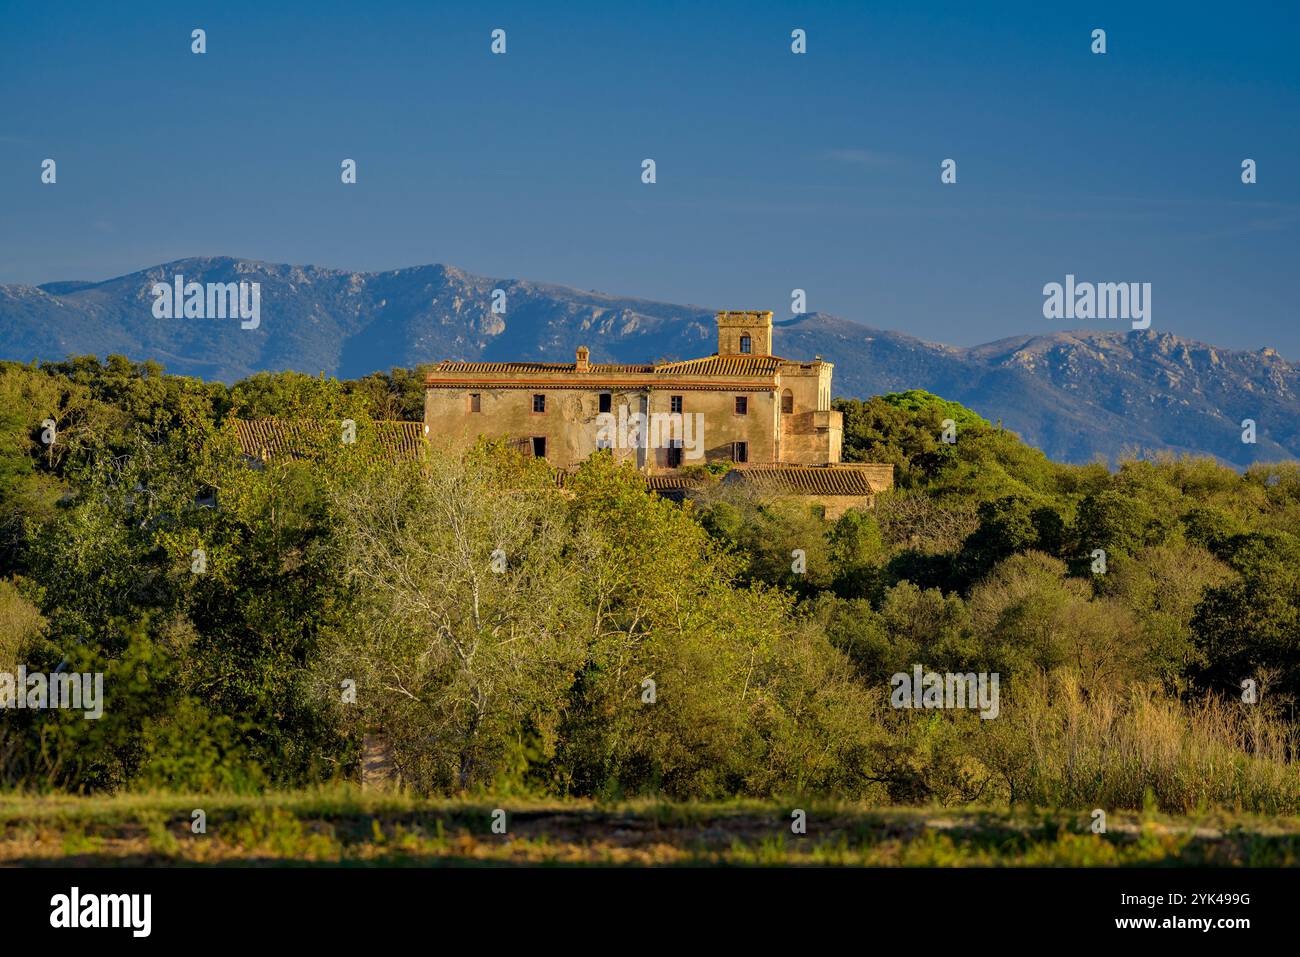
pixel 346 827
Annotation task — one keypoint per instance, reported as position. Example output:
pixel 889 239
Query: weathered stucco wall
pixel 571 426
pixel 569 423
pixel 811 433
pixel 722 426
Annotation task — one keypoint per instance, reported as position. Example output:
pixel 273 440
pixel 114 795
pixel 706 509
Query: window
pixel 539 403
pixel 740 452
pixel 787 402
pixel 606 401
pixel 742 405
pixel 475 402
pixel 745 344
pixel 675 455
pixel 674 403
pixel 539 447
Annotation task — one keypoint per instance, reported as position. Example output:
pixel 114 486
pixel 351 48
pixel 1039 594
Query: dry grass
pixel 1060 747
pixel 340 826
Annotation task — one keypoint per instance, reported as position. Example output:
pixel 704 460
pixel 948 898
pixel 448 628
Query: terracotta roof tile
pixel 781 479
pixel 596 368
pixel 670 482
pixel 290 438
pixel 804 479
pixel 660 482
pixel 723 365
pixel 762 366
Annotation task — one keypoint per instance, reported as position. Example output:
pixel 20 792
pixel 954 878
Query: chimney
pixel 583 365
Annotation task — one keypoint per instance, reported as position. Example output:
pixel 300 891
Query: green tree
pixel 466 630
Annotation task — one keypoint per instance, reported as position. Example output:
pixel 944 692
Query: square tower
pixel 745 333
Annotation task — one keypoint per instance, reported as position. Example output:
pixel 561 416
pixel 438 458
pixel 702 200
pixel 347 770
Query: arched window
pixel 745 344
pixel 787 402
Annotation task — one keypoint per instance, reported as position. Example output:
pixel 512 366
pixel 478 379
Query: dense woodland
pixel 500 631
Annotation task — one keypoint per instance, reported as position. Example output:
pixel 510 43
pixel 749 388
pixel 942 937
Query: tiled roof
pixel 290 438
pixel 597 368
pixel 804 479
pixel 723 365
pixel 667 483
pixel 780 479
pixel 761 366
pixel 663 482
pixel 401 439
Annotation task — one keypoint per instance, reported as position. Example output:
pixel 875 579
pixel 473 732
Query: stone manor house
pixel 770 418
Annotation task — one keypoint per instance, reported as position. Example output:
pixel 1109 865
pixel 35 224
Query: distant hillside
pixel 1076 395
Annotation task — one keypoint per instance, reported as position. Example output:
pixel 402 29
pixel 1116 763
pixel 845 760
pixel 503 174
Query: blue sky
pixel 775 171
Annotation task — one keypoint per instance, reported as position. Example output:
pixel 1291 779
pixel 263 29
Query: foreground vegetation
pixel 256 626
pixel 344 827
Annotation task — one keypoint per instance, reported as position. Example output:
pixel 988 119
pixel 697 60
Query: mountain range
pixel 1076 395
